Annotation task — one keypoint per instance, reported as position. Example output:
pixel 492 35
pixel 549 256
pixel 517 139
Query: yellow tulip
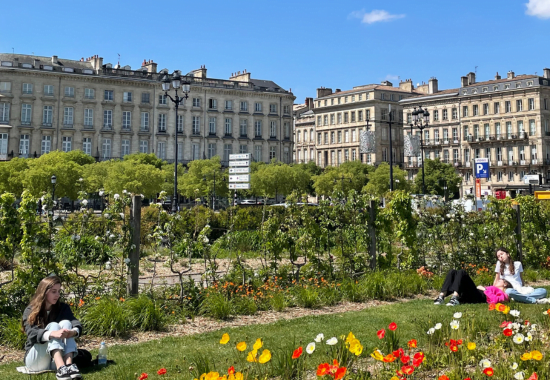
pixel 265 357
pixel 536 355
pixel 238 376
pixel 377 355
pixel 526 356
pixel 251 357
pixel 212 376
pixel 241 346
pixel 395 378
pixel 356 349
pixel 350 337
pixel 506 310
pixel 258 344
pixel 471 346
pixel 224 339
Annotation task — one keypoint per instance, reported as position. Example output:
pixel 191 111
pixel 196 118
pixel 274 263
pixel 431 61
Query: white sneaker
pixel 543 301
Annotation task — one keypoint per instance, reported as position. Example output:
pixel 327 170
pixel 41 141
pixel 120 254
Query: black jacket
pixel 35 333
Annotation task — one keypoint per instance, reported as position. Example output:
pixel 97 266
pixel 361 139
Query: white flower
pixel 514 365
pixel 107 216
pixel 430 331
pixel 457 315
pixel 516 326
pixel 437 326
pixel 117 196
pixel 471 234
pixel 529 337
pixel 101 192
pixel 519 376
pixel 310 348
pixel 332 341
pixel 127 260
pixel 84 202
pixel 122 215
pixel 455 324
pixel 518 338
pixel 124 191
pixel 205 240
pixel 514 313
pixel 111 236
pixel 44 208
pixel 534 327
pixel 97 238
pixel 485 363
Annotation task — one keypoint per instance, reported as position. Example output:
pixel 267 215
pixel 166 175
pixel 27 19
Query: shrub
pixel 217 306
pixel 244 306
pixel 307 297
pixel 144 314
pixel 10 332
pixel 330 295
pixel 278 301
pixel 353 290
pixel 106 317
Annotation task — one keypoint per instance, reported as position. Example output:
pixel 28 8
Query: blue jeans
pixel 532 297
pixel 39 359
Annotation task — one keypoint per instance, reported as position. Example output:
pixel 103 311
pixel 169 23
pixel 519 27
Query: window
pixel 286 127
pixel 531 104
pixel 48 90
pixel 496 108
pixel 273 108
pixel 346 117
pixel 455 134
pixel 68 114
pixel 88 117
pixel 24 145
pixel 385 133
pixel 436 115
pixel 145 97
pixel 545 104
pixel 325 120
pixel 227 150
pixel 162 122
pixel 26 112
pixel 144 125
pixel 286 110
pixel 319 139
pixel 499 176
pixel 319 120
pixel 143 146
pixel 163 100
pixel 475 110
pixel 229 105
pixel 258 107
pixel 126 119
pixel 196 102
pixel 352 116
pixel 272 153
pixel 243 128
pixel 497 130
pixel 87 145
pixel 509 129
pixel 339 136
pixel 532 127
pixel 211 150
pixel 346 136
pixel 436 135
pixel 244 107
pixel 47 115
pixel 339 118
pixel 353 135
pixel 6 87
pixel 519 105
pixel 243 149
pixel 486 109
pixel 196 128
pixel 273 130
pixel 445 134
pixel 66 143
pixel 520 126
pixel 507 106
pixel 27 88
pixel 511 177
pixel 179 124
pixel 465 111
pixel 161 150
pixel 212 126
pixel 445 114
pixel 108 95
pixel 258 128
pixel 124 147
pixel 69 92
pixel 127 97
pixel 359 115
pixel 228 126
pixel 486 130
pixel 212 104
pixel 258 153
pixel 195 151
pixel 46 145
pixel 384 114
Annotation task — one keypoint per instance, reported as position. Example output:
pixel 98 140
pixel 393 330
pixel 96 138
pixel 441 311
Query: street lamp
pixel 391 152
pixel 421 118
pixel 185 86
pixel 54 180
pixel 214 190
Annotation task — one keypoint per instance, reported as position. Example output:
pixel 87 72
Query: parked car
pixel 245 202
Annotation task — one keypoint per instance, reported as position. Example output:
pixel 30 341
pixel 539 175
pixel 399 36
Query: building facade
pixel 304 132
pixel 340 116
pixel 505 120
pixel 48 103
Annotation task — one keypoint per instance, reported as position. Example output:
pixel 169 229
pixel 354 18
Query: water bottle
pixel 102 355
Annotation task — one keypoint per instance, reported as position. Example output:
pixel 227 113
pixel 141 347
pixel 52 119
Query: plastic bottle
pixel 102 355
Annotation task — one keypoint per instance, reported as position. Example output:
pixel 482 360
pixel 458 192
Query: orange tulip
pixel 323 369
pixel 407 369
pixel 488 371
pixel 297 353
pixel 340 373
pixel 412 343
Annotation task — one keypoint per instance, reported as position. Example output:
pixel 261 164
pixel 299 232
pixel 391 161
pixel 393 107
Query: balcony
pixel 457 163
pixel 88 126
pixel 535 162
pixel 496 137
pixel 107 127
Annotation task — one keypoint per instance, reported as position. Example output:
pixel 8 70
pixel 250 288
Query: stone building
pixel 504 119
pixel 304 132
pixel 49 103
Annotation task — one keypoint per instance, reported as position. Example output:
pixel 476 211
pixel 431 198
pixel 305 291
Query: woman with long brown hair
pixel 51 328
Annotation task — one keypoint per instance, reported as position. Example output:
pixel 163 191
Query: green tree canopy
pixel 277 178
pixel 352 175
pixel 379 180
pixel 435 173
pixel 12 174
pixel 135 177
pixel 145 158
pixel 199 179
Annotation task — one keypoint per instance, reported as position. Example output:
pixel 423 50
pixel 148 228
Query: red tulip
pixel 488 371
pixel 443 377
pixel 407 369
pixel 534 376
pixel 143 376
pixel 297 353
pixel 323 369
pixel 161 371
pixel 507 332
pixel 392 326
pixel 381 334
pixel 412 343
pixel 340 373
pixel 405 359
pixel 231 370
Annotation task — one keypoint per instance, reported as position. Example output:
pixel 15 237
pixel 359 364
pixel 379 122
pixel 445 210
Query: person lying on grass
pixel 51 327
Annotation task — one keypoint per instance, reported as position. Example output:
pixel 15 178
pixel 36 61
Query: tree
pixel 379 180
pixel 279 179
pixel 134 177
pixel 436 172
pixel 95 175
pixel 12 174
pixel 199 179
pixel 352 175
pixel 145 158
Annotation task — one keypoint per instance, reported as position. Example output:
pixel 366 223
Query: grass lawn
pixel 178 354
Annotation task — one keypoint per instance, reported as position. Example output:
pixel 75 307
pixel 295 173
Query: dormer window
pixel 506 86
pixel 485 89
pixel 495 88
pixel 518 85
pixel 530 83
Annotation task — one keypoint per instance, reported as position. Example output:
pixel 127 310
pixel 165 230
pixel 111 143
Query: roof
pixel 451 91
pixel 24 58
pixel 517 77
pixel 368 87
pixel 265 83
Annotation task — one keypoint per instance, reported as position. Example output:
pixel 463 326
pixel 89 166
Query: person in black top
pixel 51 327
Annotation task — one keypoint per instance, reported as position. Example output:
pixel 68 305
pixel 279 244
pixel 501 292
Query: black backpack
pixel 83 358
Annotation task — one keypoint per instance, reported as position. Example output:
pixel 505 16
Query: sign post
pixel 239 169
pixel 481 169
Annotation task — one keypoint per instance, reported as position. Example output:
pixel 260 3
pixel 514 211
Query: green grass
pixel 177 354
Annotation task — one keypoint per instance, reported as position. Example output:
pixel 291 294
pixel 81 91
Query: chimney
pixel 309 103
pixel 337 90
pixel 463 81
pixel 546 73
pixel 36 63
pixel 511 75
pixel 97 62
pixel 241 76
pixel 387 83
pixel 432 85
pixel 54 58
pixel 199 73
pixel 406 85
pixel 150 66
pixel 323 92
pixel 471 78
pixel 497 77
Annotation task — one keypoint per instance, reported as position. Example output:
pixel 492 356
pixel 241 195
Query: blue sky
pixel 300 45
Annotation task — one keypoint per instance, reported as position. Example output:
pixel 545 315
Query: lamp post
pixel 391 152
pixel 421 118
pixel 213 191
pixel 176 82
pixel 54 180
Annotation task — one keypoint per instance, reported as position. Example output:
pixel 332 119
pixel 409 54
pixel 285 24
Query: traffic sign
pixel 241 156
pixel 239 178
pixel 482 167
pixel 239 186
pixel 239 163
pixel 242 170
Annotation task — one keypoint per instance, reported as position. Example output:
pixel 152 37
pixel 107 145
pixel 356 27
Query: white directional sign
pixel 242 156
pixel 239 186
pixel 242 170
pixel 239 163
pixel 239 178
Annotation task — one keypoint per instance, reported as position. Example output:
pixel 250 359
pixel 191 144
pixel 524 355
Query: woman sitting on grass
pixel 511 271
pixel 51 328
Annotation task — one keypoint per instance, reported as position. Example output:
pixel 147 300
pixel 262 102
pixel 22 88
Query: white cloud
pixel 538 8
pixel 391 77
pixel 375 16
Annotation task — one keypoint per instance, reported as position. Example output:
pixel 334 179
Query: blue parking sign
pixel 482 167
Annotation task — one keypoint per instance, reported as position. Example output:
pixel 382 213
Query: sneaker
pixel 63 373
pixel 453 301
pixel 75 372
pixel 543 301
pixel 439 300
